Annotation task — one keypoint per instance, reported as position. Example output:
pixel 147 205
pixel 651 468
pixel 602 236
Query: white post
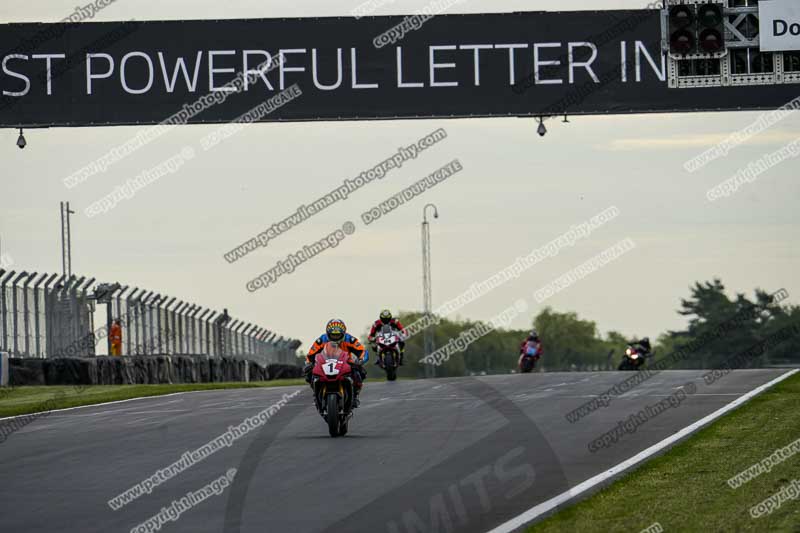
pixel 3 369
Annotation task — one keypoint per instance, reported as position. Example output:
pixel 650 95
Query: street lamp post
pixel 428 344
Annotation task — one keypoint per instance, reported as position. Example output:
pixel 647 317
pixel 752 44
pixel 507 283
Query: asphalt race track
pixel 428 455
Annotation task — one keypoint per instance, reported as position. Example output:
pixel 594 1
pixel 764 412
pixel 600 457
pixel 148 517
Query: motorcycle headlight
pixel 635 356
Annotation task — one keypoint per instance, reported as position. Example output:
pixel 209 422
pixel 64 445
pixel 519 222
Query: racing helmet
pixel 335 329
pixel 386 316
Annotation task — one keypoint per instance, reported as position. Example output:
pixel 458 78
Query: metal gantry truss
pixel 740 39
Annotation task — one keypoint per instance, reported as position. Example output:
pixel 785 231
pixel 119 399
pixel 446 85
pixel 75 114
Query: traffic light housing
pixel 682 38
pixel 711 28
pixel 697 29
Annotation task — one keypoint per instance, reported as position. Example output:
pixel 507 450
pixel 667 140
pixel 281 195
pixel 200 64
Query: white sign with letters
pixel 780 25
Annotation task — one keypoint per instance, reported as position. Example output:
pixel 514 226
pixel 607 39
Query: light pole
pixel 66 240
pixel 428 346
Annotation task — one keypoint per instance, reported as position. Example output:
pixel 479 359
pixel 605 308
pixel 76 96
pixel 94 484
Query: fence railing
pixel 51 316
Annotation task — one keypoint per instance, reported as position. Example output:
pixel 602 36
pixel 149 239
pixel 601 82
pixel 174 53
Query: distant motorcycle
pixel 633 359
pixel 388 343
pixel 528 357
pixel 332 382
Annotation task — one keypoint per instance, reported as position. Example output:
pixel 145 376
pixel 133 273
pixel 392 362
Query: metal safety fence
pixel 49 316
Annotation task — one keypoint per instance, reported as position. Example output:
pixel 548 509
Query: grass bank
pixel 686 489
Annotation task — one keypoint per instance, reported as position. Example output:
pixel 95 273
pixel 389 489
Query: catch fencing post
pixel 159 335
pixel 219 325
pixel 195 329
pixel 232 337
pixel 145 307
pixel 86 303
pixel 210 334
pixel 124 322
pixel 3 369
pixel 150 338
pixel 37 327
pixel 176 326
pixel 130 310
pixel 15 318
pixel 202 333
pixel 4 306
pixel 137 312
pixel 75 311
pixel 50 298
pixel 187 317
pixel 248 332
pixel 178 316
pixel 237 338
pixel 26 320
pixel 169 329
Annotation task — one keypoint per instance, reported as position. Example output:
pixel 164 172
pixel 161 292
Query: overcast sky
pixel 517 192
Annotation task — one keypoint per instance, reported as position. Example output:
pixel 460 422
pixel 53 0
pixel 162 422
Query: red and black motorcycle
pixel 332 382
pixel 528 357
pixel 388 345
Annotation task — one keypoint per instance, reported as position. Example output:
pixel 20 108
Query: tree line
pixel 573 343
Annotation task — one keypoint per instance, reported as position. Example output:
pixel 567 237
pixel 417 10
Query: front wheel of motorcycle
pixel 333 415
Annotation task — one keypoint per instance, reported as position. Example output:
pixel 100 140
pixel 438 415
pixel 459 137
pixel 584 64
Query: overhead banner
pixel 780 25
pixel 483 65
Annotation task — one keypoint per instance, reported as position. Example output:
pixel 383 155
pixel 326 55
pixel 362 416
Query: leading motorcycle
pixel 332 382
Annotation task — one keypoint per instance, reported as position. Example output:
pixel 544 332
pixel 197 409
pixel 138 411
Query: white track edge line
pixel 552 503
pixel 158 396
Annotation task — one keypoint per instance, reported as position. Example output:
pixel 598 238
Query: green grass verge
pixel 26 400
pixel 686 488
